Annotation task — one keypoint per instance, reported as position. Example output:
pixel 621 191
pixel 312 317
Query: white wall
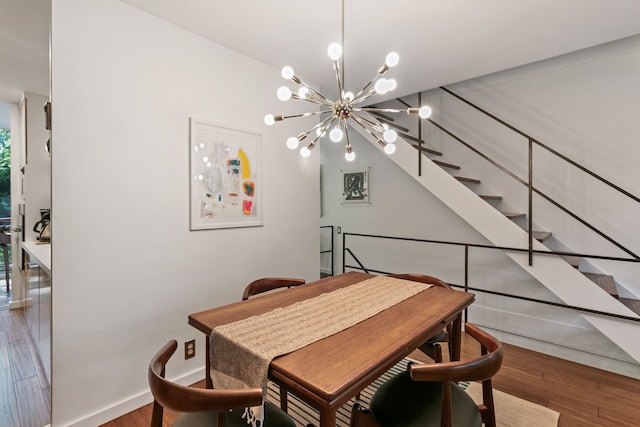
pixel 126 269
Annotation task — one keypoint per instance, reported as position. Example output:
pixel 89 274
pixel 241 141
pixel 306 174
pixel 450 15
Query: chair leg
pixel 434 351
pixel 437 353
pixel 488 408
pixel 361 417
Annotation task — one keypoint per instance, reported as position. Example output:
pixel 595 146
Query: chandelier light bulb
pixel 424 112
pixel 305 152
pixel 392 59
pixel 390 135
pixel 350 156
pixel 390 148
pixel 287 72
pixel 321 131
pixel 392 84
pixel 336 134
pixel 348 96
pixel 284 93
pixel 382 86
pixel 269 120
pixel 334 51
pixel 292 143
pixel 303 92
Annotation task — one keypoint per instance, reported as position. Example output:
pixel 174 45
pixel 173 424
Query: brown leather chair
pixel 432 347
pixel 427 395
pixel 268 284
pixel 199 407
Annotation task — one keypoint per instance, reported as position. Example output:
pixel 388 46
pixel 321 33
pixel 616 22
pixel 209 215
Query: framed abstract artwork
pixel 355 186
pixel 225 176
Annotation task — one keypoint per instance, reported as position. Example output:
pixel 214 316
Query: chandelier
pixel 346 110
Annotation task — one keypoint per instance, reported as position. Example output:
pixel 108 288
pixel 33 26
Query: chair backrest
pixel 179 398
pixel 481 368
pixel 421 278
pixel 269 283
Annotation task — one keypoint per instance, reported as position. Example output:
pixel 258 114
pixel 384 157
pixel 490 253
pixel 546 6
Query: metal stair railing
pixel 529 182
pixel 360 266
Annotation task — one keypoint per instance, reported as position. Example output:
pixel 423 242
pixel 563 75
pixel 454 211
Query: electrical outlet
pixel 189 349
pixel 339 230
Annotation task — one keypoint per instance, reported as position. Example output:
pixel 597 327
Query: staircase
pixel 481 211
pixel 604 281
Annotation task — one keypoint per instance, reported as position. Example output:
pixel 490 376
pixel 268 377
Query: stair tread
pixel 574 261
pixel 513 215
pixel 490 197
pixel 541 236
pixel 469 180
pixel 632 304
pixel 605 281
pixel 426 150
pixel 446 165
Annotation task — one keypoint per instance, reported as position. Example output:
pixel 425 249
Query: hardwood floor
pixel 24 389
pixel 583 396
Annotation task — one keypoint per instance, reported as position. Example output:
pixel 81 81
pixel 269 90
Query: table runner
pixel 242 351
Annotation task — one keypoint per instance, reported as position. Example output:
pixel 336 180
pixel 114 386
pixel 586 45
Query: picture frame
pixel 356 186
pixel 225 176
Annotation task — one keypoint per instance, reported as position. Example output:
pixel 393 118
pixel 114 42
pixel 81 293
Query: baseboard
pixel 571 342
pixel 129 404
pixel 17 304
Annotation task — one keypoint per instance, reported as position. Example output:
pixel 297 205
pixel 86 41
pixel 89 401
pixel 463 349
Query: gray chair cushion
pixel 403 402
pixel 273 417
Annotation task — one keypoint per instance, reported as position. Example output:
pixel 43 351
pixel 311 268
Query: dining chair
pixel 427 395
pixel 199 407
pixel 268 284
pixel 431 347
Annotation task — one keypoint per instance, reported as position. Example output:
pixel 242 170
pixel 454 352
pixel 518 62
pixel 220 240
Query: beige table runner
pixel 242 351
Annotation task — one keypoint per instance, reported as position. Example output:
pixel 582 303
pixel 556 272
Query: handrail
pixel 529 184
pixel 546 147
pixel 332 246
pixel 362 267
pixel 466 286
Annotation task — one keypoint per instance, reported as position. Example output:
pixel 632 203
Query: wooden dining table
pixel 328 373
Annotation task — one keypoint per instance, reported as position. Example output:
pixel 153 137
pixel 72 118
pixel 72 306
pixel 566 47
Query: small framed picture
pixel 355 186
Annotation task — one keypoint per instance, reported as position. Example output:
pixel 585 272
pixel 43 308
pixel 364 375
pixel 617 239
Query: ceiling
pixel 439 41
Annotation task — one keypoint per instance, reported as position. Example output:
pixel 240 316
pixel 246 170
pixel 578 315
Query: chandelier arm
pixel 312 144
pixel 366 126
pixel 315 101
pixel 346 134
pixel 379 74
pixel 312 113
pixel 358 100
pixel 326 121
pixel 374 125
pixel 336 66
pixel 308 86
pixel 381 110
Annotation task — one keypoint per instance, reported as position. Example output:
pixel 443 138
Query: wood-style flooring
pixel 24 388
pixel 583 396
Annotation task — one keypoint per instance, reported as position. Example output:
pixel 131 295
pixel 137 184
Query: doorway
pixel 5 211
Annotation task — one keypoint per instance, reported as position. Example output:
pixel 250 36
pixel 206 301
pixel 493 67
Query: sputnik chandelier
pixel 345 110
